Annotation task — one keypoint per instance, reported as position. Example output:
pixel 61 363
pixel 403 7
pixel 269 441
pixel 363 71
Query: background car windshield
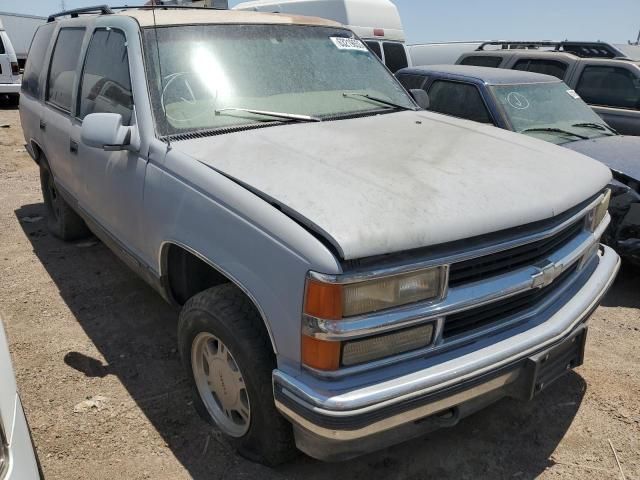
pixel 288 69
pixel 547 105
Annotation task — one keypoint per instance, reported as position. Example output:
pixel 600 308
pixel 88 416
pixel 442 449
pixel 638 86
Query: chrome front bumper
pixel 343 423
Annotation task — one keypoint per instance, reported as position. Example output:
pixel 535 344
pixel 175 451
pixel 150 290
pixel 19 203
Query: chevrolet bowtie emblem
pixel 546 275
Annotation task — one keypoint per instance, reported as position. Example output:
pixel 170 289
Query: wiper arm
pixel 285 116
pixel 596 126
pixel 556 130
pixel 376 99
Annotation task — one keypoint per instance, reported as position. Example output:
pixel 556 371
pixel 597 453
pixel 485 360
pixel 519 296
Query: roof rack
pixel 103 9
pixel 164 7
pixel 580 49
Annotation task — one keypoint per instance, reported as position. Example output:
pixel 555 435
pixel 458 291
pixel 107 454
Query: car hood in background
pixel 400 181
pixel 619 153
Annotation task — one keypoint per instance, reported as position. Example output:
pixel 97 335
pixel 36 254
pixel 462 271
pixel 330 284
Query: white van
pixel 10 79
pixel 377 22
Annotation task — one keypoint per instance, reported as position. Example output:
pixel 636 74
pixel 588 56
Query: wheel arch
pixel 189 259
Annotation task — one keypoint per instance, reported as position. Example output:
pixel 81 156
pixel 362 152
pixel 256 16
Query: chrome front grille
pixel 503 310
pixel 478 269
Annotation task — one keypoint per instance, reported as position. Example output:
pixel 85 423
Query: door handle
pixel 73 146
pixel 43 125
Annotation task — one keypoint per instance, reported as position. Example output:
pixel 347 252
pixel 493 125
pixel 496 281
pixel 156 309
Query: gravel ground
pixel 95 355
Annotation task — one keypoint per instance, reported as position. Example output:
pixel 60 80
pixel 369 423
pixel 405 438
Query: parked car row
pixel 353 271
pixel 543 107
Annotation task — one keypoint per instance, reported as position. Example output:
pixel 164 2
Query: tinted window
pixel 547 67
pixel 375 48
pixel 62 72
pixel 459 100
pixel 610 86
pixel 35 60
pixel 481 61
pixel 106 85
pixel 410 81
pixel 395 56
pixel 2 50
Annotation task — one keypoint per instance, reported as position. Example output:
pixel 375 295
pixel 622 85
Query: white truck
pixel 20 29
pixel 377 22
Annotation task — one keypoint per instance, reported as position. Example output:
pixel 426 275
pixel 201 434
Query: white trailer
pixel 377 22
pixel 439 53
pixel 21 29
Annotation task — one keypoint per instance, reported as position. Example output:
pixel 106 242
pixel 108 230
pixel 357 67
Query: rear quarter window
pixel 2 50
pixel 547 67
pixel 482 61
pixel 35 60
pixel 64 63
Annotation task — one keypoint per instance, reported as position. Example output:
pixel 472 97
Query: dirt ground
pixel 94 351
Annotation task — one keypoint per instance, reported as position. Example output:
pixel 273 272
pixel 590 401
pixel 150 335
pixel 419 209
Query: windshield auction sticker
pixel 348 44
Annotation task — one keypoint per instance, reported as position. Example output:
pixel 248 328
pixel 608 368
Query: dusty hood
pixel 619 153
pixel 400 181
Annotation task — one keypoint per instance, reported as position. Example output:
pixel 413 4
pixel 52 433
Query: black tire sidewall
pixel 257 378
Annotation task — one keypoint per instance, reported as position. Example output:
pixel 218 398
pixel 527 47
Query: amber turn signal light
pixel 323 300
pixel 320 354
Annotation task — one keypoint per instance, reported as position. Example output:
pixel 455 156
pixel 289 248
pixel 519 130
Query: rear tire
pixel 62 221
pixel 222 323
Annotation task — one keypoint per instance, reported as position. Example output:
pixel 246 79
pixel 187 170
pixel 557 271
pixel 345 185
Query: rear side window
pixel 482 61
pixel 395 56
pixel 610 87
pixel 35 60
pixel 547 67
pixel 62 72
pixel 375 48
pixel 459 100
pixel 2 50
pixel 106 85
pixel 411 81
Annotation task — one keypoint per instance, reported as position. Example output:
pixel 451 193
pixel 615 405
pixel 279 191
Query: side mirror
pixel 105 131
pixel 421 97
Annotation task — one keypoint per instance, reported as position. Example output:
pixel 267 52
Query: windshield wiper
pixel 285 116
pixel 556 130
pixel 366 96
pixel 596 126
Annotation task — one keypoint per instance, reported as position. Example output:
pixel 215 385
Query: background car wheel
pixel 62 221
pixel 228 358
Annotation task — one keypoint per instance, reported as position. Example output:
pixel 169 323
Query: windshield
pixel 551 110
pixel 212 74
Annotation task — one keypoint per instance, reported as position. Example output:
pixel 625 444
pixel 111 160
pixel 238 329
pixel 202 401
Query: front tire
pixel 229 361
pixel 62 221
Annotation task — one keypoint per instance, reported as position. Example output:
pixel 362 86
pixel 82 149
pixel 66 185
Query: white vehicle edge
pixel 18 459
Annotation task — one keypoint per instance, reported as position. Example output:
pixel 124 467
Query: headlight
pixel 326 300
pixel 597 215
pixel 331 301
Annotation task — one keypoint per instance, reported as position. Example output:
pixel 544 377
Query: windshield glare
pixel 298 70
pixel 547 105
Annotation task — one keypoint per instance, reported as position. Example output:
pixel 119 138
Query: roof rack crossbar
pixel 580 49
pixel 164 7
pixel 103 9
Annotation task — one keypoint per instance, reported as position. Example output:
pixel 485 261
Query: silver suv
pixel 606 77
pixel 352 271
